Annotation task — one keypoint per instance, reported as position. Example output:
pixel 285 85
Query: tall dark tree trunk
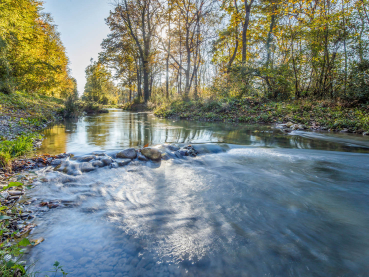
pixel 270 39
pixel 167 76
pixel 146 85
pixel 236 46
pixel 245 27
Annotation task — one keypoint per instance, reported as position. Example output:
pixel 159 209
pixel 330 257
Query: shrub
pixel 73 107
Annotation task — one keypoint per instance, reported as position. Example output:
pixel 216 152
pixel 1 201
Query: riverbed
pixel 254 202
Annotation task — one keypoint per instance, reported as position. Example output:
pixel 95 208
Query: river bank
pixel 315 115
pixel 22 117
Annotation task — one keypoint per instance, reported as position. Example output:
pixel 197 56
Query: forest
pixel 158 51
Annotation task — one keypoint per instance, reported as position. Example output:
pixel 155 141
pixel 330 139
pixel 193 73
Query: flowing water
pixel 255 202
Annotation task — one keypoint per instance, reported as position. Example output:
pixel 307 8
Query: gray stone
pixel 114 165
pixel 97 163
pixel 289 124
pixel 86 158
pixel 129 153
pixel 15 192
pixel 100 154
pixel 74 170
pixel 123 162
pixel 87 167
pixel 151 153
pixel 63 166
pixel 107 161
pixel 295 127
pixel 56 162
pixel 142 157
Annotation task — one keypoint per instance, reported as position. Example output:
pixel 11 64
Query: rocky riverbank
pixel 22 113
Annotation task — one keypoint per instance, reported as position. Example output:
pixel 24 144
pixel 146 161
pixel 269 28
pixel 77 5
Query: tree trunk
pixel 245 27
pixel 146 85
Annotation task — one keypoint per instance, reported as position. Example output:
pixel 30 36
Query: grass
pixel 32 107
pixel 16 148
pixel 28 113
pixel 326 114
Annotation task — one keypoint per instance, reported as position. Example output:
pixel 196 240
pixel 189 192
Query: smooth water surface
pixel 256 202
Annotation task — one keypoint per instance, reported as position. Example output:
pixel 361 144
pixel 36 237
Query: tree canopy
pixel 32 56
pixel 280 49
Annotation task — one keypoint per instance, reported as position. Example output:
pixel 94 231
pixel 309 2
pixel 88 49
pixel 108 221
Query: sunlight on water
pixel 261 203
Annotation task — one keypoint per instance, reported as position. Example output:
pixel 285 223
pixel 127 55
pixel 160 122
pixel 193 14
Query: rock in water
pixel 86 158
pixel 114 165
pixel 56 162
pixel 129 153
pixel 87 167
pixel 123 162
pixel 107 161
pixel 99 153
pixel 151 153
pixel 74 170
pixel 289 124
pixel 63 166
pixel 142 158
pixel 98 163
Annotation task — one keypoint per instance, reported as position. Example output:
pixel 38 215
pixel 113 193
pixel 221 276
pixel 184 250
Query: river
pixel 255 202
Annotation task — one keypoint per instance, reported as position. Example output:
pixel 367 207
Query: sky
pixel 82 27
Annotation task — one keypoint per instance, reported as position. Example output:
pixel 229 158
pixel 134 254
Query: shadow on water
pixel 255 202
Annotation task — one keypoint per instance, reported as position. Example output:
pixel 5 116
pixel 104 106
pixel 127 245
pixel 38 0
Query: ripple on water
pixel 237 211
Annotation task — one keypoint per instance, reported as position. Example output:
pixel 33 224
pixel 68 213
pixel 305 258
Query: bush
pixel 358 87
pixel 73 108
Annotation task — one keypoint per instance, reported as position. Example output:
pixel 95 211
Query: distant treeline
pixel 278 49
pixel 32 56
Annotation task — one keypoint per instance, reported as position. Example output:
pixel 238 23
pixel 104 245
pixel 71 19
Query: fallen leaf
pixel 37 241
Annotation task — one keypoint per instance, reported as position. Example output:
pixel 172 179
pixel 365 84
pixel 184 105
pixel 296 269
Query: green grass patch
pixel 329 114
pixel 30 106
pixel 12 149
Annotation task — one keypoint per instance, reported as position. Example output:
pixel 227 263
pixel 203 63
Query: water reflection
pixel 120 129
pixel 257 202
